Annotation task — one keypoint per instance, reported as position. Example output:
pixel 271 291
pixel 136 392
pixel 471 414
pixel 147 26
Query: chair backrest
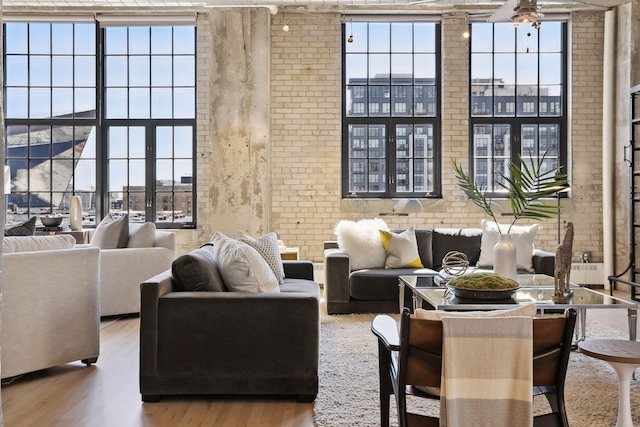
pixel 421 350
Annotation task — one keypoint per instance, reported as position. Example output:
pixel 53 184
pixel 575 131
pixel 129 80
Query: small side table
pixel 290 254
pixel 624 357
pixel 81 236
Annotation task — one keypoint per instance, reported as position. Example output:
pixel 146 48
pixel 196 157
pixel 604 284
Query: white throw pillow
pixel 522 236
pixel 142 235
pixel 362 242
pixel 242 268
pixel 402 249
pixel 111 233
pixel 267 247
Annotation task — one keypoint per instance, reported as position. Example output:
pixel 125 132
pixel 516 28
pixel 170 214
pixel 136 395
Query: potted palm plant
pixel 529 187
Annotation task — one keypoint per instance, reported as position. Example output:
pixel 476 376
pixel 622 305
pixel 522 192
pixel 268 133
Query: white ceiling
pixel 411 6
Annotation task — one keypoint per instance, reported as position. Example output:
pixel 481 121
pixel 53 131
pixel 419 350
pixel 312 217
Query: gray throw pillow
pixel 27 228
pixel 197 271
pixel 111 233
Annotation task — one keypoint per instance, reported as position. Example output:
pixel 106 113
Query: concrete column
pixel 239 106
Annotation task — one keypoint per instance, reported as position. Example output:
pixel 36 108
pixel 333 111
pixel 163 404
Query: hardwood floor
pixel 107 394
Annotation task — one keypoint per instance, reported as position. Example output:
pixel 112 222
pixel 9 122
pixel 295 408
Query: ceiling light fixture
pixel 527 12
pixel 285 27
pixel 350 39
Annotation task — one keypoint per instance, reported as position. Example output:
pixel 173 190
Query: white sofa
pixel 124 269
pixel 50 303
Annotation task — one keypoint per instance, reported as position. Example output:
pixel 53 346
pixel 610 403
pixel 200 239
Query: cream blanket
pixel 487 372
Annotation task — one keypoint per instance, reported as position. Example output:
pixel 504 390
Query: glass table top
pixel 537 288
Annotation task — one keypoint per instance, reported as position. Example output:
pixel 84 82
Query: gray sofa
pixel 375 290
pixel 231 343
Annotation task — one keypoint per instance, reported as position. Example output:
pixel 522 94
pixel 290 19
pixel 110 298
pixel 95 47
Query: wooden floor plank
pixel 107 394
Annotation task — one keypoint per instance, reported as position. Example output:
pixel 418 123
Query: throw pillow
pixel 197 271
pixel 522 237
pixel 465 240
pixel 141 235
pixel 362 242
pixel 267 247
pixel 241 266
pixel 27 228
pixel 401 249
pixel 111 233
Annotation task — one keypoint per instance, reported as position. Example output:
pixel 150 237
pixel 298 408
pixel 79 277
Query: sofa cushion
pixel 300 285
pixel 111 233
pixel 401 249
pixel 37 243
pixel 465 240
pixel 141 235
pixel 267 247
pixel 27 228
pixel 522 236
pixel 379 284
pixel 242 268
pixel 197 271
pixel 362 242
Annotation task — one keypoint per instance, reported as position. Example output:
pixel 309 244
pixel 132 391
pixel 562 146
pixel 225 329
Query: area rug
pixel 348 394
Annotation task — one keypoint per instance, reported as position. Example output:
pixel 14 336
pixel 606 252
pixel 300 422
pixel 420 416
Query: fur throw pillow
pixel 362 242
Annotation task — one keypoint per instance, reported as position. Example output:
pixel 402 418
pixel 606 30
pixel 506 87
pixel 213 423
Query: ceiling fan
pixel 529 11
pixel 523 11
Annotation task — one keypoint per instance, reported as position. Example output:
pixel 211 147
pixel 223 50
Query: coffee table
pixel 536 288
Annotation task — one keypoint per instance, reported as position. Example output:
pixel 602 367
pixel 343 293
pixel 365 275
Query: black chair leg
pixel 384 361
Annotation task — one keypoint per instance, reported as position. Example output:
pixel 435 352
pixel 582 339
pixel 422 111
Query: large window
pixel 391 109
pixel 114 126
pixel 518 98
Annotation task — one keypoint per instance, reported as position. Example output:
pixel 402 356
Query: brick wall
pixel 306 144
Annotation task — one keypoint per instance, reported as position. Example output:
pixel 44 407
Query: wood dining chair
pixel 410 362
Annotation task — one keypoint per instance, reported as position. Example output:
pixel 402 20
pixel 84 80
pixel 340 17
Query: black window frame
pixel 516 123
pixel 390 123
pixel 100 196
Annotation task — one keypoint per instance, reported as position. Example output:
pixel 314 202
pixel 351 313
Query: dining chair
pixel 410 363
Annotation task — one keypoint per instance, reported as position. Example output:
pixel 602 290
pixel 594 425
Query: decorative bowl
pixel 51 221
pixel 482 294
pixel 482 285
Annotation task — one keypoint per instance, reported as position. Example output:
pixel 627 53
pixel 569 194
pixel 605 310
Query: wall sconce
pixel 404 207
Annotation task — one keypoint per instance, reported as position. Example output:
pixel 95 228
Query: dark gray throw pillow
pixel 464 240
pixel 197 271
pixel 27 228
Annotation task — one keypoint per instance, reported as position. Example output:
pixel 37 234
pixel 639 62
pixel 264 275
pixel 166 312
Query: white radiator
pixel 588 273
pixel 318 272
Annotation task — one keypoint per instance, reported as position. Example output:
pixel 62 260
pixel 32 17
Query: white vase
pixel 75 213
pixel 504 257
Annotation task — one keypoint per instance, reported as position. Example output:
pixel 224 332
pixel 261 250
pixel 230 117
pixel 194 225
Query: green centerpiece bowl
pixel 484 286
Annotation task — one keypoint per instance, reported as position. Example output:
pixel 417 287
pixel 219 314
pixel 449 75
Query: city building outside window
pixel 391 110
pixel 120 156
pixel 518 99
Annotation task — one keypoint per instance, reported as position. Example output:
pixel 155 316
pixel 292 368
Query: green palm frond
pixel 475 194
pixel 527 185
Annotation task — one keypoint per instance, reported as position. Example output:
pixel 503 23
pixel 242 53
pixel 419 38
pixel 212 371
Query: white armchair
pixel 50 303
pixel 123 270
